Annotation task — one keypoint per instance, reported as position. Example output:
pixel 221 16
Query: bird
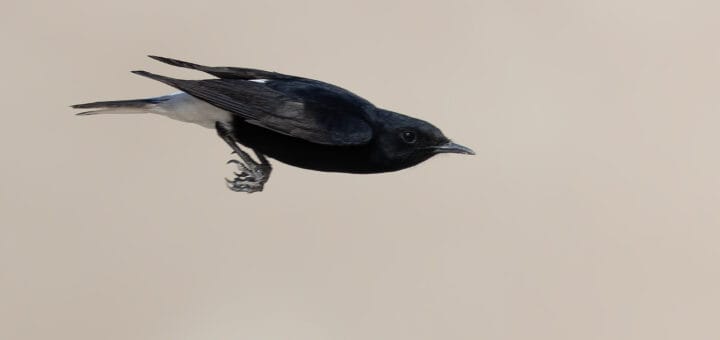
pixel 298 121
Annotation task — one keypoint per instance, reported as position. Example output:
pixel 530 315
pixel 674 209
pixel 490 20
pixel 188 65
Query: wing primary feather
pixel 176 62
pixel 225 72
pixel 274 110
pixel 213 91
pixel 162 79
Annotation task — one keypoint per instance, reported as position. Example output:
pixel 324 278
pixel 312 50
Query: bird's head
pixel 406 141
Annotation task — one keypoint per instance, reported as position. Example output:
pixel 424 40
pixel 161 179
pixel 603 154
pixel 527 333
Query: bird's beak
pixel 451 147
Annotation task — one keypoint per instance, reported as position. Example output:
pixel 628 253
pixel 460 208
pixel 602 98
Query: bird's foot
pixel 251 176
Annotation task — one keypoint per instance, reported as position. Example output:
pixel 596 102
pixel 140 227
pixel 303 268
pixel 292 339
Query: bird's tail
pixel 145 105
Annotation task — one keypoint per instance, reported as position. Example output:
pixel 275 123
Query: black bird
pixel 298 121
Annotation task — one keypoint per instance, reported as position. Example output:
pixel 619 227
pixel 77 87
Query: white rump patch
pixel 186 108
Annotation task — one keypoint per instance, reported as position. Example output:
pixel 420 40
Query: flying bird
pixel 298 121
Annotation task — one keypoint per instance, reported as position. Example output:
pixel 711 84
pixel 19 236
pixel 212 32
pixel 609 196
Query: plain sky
pixel 589 212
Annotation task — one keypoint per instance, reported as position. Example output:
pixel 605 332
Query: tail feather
pixel 120 106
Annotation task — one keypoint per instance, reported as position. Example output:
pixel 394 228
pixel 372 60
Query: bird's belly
pixel 303 154
pixel 320 157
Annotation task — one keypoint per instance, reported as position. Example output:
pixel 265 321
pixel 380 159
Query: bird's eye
pixel 408 137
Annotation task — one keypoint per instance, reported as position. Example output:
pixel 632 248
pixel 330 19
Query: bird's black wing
pixel 312 111
pixel 226 72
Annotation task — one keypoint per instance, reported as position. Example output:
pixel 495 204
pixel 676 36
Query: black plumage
pixel 304 123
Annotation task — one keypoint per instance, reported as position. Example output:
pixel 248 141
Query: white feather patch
pixel 186 108
pixel 261 81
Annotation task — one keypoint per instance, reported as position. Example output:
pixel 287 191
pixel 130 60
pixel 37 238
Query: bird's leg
pixel 252 175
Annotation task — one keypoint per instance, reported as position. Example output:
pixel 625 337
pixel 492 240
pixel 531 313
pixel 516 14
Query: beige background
pixel 589 212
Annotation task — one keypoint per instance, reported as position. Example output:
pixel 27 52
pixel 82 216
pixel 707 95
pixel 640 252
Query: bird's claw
pixel 251 176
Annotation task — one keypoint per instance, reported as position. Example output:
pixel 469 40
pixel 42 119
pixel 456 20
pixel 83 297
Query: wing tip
pixel 174 62
pixel 142 73
pixel 160 59
pixel 151 75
